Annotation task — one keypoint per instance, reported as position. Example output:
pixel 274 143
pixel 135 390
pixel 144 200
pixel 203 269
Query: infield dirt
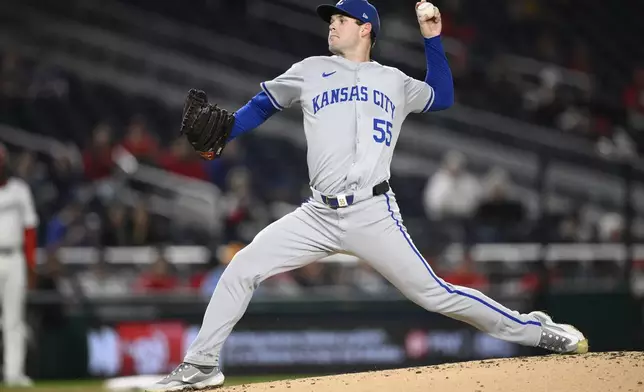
pixel 593 372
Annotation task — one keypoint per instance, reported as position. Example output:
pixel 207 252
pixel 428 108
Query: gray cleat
pixel 560 338
pixel 189 377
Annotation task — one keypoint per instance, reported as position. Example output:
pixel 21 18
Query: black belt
pixel 334 202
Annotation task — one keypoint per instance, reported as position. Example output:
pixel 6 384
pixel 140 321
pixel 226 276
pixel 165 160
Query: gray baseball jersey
pixel 353 114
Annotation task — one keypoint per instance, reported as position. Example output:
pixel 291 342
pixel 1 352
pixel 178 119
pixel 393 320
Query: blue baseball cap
pixel 357 9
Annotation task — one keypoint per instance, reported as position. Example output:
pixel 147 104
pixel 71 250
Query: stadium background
pixel 529 188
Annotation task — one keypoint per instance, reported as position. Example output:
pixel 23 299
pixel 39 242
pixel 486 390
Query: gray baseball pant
pixel 373 231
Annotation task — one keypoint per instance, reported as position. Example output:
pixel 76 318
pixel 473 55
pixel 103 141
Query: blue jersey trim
pixel 270 96
pixel 443 284
pixel 430 100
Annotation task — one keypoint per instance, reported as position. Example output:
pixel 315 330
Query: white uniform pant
pixel 13 286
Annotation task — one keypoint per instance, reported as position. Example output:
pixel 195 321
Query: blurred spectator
pixel 530 282
pixel 367 280
pixel 578 225
pixel 102 280
pixel 541 101
pixel 310 275
pixel 451 192
pixel 183 160
pixel 139 141
pixel 610 227
pixel 575 117
pixel 454 25
pixel 14 79
pixel 450 197
pixel 218 169
pixel 499 217
pixel 225 254
pixel 26 168
pixel 280 201
pixel 159 277
pixel 621 146
pixel 523 10
pixel 115 231
pixel 245 214
pixel 53 280
pixel 633 99
pixel 569 229
pixel 499 80
pixel 93 230
pixel 143 231
pixel 282 284
pixel 60 228
pixel 29 169
pixel 547 48
pixel 580 58
pixel 48 82
pixel 97 158
pixel 465 274
pixel 64 178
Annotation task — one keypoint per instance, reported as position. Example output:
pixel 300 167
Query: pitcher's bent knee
pixel 243 269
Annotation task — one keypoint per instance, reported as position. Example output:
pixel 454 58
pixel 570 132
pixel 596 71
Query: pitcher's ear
pixel 366 29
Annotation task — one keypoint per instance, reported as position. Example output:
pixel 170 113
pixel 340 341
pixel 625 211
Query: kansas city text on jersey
pixel 353 93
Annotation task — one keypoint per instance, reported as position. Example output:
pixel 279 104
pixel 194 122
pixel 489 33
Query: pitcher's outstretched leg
pixel 295 240
pixel 383 242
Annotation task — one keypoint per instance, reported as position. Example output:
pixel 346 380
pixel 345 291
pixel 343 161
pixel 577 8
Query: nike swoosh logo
pixel 326 75
pixel 189 378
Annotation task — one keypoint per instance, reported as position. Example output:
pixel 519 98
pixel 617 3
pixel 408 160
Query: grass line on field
pixel 96 386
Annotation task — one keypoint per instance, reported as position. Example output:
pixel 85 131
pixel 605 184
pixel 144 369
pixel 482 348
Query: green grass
pixel 60 386
pixel 96 386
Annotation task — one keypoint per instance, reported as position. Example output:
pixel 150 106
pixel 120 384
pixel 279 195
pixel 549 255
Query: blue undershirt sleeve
pixel 252 115
pixel 439 75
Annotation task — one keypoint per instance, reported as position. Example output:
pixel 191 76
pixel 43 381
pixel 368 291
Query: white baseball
pixel 426 9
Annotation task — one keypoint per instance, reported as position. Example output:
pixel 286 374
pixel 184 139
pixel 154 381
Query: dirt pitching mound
pixel 594 372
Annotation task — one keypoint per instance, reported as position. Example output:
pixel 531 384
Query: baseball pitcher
pixel 353 111
pixel 18 222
